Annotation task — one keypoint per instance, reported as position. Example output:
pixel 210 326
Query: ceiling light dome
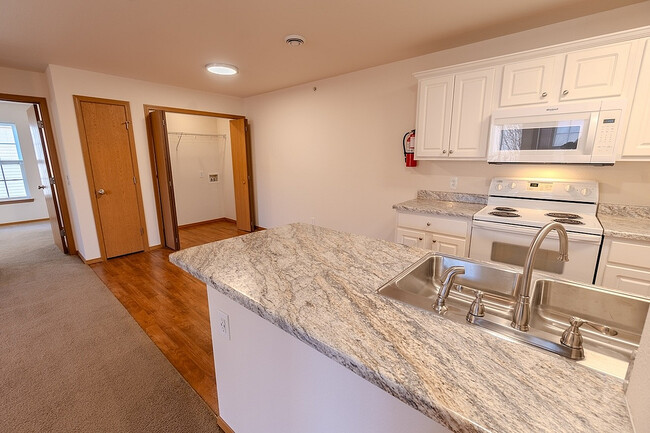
pixel 221 69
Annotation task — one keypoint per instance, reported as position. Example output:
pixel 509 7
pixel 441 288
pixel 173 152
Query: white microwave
pixel 580 133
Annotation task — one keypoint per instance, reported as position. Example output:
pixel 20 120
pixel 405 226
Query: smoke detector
pixel 294 40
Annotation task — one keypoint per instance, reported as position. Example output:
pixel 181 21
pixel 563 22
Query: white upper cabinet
pixel 434 116
pixel 585 74
pixel 453 115
pixel 637 143
pixel 470 118
pixel 529 83
pixel 595 73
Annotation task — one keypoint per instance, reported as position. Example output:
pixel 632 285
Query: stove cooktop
pixel 537 202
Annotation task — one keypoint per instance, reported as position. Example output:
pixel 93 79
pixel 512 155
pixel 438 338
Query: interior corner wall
pixel 331 151
pixel 193 160
pixel 65 82
pixel 35 210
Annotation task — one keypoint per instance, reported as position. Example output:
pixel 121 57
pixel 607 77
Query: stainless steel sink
pixel 554 303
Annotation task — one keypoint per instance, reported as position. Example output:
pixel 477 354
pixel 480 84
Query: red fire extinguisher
pixel 408 143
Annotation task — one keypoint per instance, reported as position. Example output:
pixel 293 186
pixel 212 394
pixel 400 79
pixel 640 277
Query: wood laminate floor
pixel 170 305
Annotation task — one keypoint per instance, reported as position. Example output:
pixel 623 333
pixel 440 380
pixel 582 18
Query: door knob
pixel 101 191
pixel 42 187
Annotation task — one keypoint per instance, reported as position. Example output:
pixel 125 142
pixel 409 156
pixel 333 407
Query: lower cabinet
pixel 625 266
pixel 443 234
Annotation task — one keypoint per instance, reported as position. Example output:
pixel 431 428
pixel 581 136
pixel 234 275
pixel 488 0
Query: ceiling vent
pixel 294 40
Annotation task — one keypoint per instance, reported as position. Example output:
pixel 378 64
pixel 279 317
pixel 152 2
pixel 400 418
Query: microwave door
pixel 543 139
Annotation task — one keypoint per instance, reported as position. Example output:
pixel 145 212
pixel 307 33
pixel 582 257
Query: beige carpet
pixel 71 358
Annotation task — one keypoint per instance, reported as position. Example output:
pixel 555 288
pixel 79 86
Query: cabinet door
pixel 637 142
pixel 434 117
pixel 411 238
pixel 595 73
pixel 446 244
pixel 628 280
pixel 529 83
pixel 470 119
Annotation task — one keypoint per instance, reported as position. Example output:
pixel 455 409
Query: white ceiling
pixel 170 41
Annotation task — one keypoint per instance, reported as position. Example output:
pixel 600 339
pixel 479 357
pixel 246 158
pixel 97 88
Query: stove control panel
pixel 582 191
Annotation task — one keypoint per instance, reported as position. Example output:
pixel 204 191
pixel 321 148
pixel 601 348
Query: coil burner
pixel 505 209
pixel 563 215
pixel 568 221
pixel 504 214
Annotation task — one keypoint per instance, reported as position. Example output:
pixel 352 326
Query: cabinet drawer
pixel 629 254
pixel 450 226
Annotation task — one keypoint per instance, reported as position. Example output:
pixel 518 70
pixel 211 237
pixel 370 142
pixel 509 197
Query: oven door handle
pixel 530 231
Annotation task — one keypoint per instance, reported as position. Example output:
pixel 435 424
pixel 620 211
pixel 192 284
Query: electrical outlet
pixel 453 182
pixel 223 324
pixel 214 177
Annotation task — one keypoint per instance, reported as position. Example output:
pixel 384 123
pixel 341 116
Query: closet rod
pixel 198 135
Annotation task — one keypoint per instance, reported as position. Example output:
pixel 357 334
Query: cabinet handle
pixel 428 224
pixel 434 241
pixel 444 151
pixel 419 239
pixel 544 95
pixel 451 151
pixel 566 92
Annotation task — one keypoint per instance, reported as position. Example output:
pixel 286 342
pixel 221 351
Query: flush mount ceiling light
pixel 294 40
pixel 221 69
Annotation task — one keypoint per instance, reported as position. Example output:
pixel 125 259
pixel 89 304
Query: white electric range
pixel 518 207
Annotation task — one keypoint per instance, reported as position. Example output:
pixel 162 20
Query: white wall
pixel 26 83
pixel 64 83
pixel 335 154
pixel 16 212
pixel 193 159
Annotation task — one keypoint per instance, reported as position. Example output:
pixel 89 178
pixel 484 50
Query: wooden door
pixel 530 82
pixel 434 117
pixel 595 73
pixel 241 174
pixel 48 185
pixel 470 118
pixel 164 177
pixel 111 167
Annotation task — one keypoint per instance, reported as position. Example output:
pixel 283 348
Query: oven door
pixel 509 244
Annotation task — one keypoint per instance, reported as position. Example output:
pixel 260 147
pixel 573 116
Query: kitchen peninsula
pixel 319 287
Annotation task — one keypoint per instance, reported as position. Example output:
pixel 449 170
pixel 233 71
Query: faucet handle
pixel 572 337
pixel 477 309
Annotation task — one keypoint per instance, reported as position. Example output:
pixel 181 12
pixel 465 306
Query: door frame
pixel 152 154
pixel 78 99
pixel 52 161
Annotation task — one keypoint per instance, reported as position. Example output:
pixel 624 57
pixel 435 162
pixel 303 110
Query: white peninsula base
pixel 271 382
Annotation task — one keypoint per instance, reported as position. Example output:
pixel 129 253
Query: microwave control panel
pixel 606 134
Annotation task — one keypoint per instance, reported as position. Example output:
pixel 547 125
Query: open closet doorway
pixel 201 168
pixel 31 183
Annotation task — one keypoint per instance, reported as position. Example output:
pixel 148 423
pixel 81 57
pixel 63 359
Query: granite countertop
pixel 444 203
pixel 303 278
pixel 626 222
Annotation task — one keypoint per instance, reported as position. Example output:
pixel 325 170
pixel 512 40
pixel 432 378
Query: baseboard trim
pixel 24 222
pixel 200 223
pixel 91 261
pixel 224 426
pixel 155 247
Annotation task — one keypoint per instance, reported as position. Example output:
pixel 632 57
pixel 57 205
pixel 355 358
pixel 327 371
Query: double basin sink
pixel 554 303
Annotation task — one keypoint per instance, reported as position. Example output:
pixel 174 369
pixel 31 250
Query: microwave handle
pixel 591 132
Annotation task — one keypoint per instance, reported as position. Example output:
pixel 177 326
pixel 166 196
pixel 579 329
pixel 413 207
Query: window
pixel 12 169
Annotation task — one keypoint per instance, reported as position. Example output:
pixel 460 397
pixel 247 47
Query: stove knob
pixel 569 188
pixel 585 191
pixel 499 187
pixel 513 185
